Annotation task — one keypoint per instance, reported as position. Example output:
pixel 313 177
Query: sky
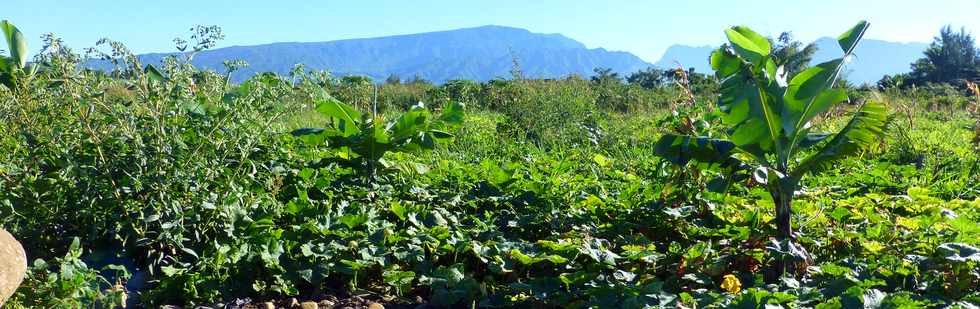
pixel 645 28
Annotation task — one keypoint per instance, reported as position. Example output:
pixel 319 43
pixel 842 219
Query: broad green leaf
pixel 441 135
pixel 306 131
pixel 380 135
pixel 812 81
pixel 154 74
pixel 410 124
pixel 809 94
pixel 354 220
pixel 399 210
pixel 734 101
pixel 724 63
pixel 864 129
pixel 811 140
pixel 750 132
pixel 849 40
pixel 347 116
pixel 16 44
pixel 743 100
pixel 453 114
pixel 761 108
pixel 682 149
pixel 822 103
pixel 748 44
pixel 5 63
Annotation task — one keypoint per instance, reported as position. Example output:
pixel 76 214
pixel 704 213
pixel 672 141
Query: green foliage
pixel 67 282
pixel 951 58
pixel 649 78
pixel 364 140
pixel 13 67
pixel 551 114
pixel 771 120
pixel 195 186
pixel 790 54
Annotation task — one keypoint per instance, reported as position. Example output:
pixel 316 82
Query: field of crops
pixel 163 184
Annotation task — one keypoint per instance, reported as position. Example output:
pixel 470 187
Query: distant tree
pixel 393 79
pixel 952 57
pixel 792 55
pixel 894 81
pixel 605 75
pixel 515 65
pixel 697 82
pixel 418 79
pixel 648 78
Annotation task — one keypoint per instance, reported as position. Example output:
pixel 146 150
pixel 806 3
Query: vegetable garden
pixel 162 184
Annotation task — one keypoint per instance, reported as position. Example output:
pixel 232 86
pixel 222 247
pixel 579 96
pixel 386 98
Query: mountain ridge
pixel 487 52
pixel 479 53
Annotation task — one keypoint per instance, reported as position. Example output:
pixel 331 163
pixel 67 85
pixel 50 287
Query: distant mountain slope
pixel 480 53
pixel 688 57
pixel 873 58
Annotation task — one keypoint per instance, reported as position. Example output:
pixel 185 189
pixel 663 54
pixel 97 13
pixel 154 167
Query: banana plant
pixel 362 140
pixel 770 124
pixel 14 66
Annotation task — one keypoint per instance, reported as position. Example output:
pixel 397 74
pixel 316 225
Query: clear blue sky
pixel 645 28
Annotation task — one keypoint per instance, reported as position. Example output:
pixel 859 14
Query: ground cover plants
pixel 164 184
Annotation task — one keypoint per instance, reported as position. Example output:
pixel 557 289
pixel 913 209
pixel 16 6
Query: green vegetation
pixel 170 185
pixel 770 122
pixel 953 58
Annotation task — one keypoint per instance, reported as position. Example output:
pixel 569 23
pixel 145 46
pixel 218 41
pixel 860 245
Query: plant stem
pixel 782 197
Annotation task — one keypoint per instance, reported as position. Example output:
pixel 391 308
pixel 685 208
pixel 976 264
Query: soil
pixel 322 302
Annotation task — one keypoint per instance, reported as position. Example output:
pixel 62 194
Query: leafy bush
pixel 551 114
pixel 70 283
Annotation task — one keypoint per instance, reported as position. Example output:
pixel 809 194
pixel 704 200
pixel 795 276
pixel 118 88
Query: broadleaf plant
pixel 14 66
pixel 362 140
pixel 769 121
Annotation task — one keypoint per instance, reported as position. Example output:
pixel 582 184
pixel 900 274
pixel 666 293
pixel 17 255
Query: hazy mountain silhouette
pixel 873 58
pixel 480 53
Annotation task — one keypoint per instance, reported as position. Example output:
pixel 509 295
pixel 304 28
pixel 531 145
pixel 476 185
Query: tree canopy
pixel 951 58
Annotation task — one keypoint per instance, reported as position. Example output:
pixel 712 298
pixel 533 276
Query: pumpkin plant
pixel 362 140
pixel 770 124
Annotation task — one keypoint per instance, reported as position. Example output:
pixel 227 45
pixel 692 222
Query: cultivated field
pixel 751 187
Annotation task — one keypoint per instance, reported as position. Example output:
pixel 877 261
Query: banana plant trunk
pixel 784 212
pixel 782 197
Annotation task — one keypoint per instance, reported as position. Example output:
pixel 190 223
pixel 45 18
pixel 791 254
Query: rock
pixel 375 306
pixel 292 303
pixel 326 304
pixel 13 265
pixel 309 305
pixel 267 305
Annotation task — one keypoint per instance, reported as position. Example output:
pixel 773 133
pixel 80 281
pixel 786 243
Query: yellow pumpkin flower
pixel 730 284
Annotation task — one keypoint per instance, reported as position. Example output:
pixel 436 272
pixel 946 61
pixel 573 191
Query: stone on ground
pixel 13 265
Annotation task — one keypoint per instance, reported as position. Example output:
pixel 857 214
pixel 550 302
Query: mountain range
pixel 489 52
